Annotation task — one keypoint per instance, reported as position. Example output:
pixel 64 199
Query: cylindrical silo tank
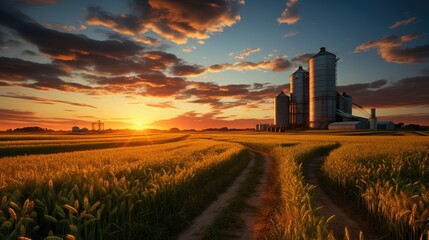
pixel 281 110
pixel 322 88
pixel 299 97
pixel 347 103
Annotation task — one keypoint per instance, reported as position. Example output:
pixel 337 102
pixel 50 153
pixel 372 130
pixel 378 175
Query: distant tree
pixel 174 130
pixel 412 127
pixel 224 129
pixel 399 125
pixel 29 129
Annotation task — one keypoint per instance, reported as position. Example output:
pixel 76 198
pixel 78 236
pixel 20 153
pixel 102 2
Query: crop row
pixel 87 144
pixel 137 192
pixel 389 180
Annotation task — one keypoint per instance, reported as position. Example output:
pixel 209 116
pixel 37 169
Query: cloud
pixel 245 53
pixel 40 76
pixel 29 53
pixel 43 100
pixel 407 92
pixel 303 58
pixel 403 22
pixel 19 118
pixel 6 42
pixel 62 45
pixel 243 95
pixel 290 34
pixel 148 84
pixel 115 66
pixel 279 64
pixel 388 49
pixel 147 40
pixel 189 49
pixel 187 70
pixel 290 14
pixel 65 27
pixel 176 20
pixel 38 1
pixel 425 71
pixel 193 120
pixel 167 104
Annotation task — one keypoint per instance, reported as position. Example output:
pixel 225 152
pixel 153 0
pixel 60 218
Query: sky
pixel 203 64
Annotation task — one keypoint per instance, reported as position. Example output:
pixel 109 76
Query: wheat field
pixel 153 190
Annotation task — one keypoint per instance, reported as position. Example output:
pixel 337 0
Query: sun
pixel 139 126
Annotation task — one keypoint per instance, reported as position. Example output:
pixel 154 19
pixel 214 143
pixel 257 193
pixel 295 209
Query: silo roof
pixel 300 70
pixel 323 52
pixel 281 94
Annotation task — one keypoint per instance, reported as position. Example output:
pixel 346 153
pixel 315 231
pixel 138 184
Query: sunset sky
pixel 200 64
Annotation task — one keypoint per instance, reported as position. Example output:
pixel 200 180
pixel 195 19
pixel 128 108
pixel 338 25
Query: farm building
pixel 385 125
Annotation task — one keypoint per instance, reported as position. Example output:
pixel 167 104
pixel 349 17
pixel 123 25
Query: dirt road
pixel 345 214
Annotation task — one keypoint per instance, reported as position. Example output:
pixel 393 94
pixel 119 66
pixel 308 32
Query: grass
pixel 229 218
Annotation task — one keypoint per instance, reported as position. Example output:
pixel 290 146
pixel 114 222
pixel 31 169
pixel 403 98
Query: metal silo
pixel 299 97
pixel 322 86
pixel 281 110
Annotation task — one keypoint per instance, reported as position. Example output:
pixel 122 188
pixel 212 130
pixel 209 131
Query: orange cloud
pixel 245 53
pixel 176 20
pixel 403 22
pixel 167 104
pixel 290 14
pixel 389 49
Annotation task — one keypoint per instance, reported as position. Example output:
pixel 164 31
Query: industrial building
pixel 315 103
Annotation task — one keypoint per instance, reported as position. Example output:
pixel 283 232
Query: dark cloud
pixel 389 49
pixel 61 45
pixel 238 95
pixel 410 92
pixel 8 114
pixel 147 84
pixel 187 70
pixel 6 42
pixel 38 1
pixel 36 75
pixel 191 120
pixel 43 100
pixel 406 55
pixel 290 14
pixel 303 58
pixel 377 84
pixel 425 71
pixel 65 27
pixel 176 20
pixel 121 23
pixel 29 53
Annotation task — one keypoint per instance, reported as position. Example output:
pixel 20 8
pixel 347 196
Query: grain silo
pixel 281 110
pixel 299 98
pixel 322 89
